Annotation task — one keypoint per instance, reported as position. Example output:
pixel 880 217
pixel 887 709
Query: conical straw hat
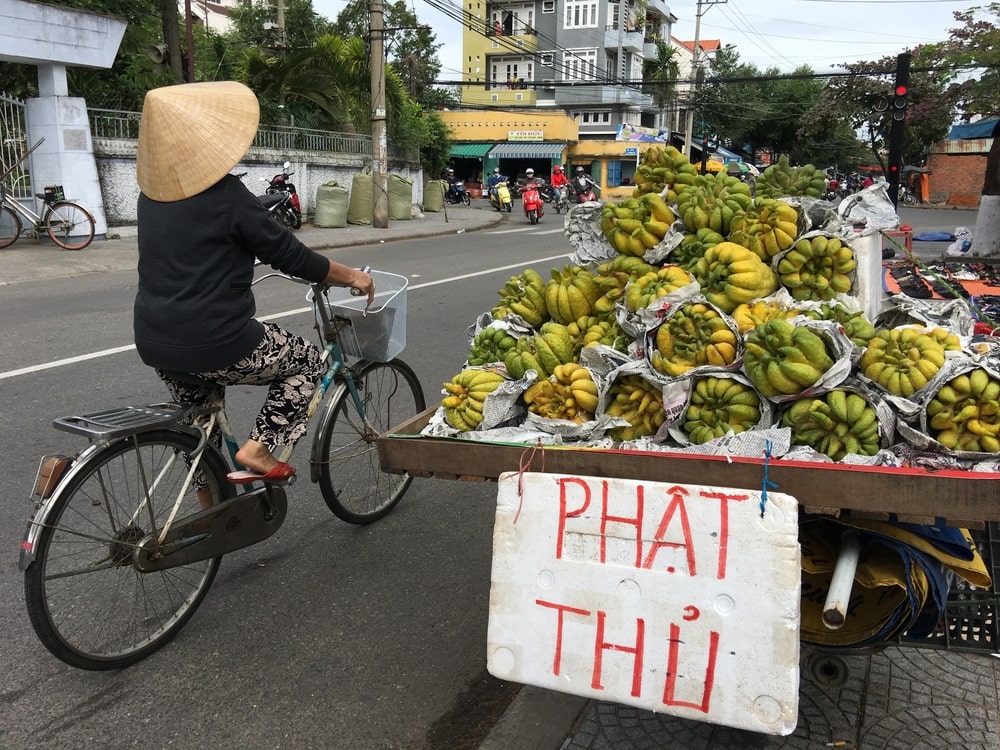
pixel 191 135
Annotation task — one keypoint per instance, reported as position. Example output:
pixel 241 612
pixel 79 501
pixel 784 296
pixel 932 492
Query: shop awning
pixel 470 150
pixel 527 151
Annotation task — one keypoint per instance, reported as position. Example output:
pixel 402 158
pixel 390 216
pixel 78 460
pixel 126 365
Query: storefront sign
pixel 526 135
pixel 631 152
pixel 679 599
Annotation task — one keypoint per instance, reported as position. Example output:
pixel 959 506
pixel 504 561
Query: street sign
pixel 631 152
pixel 679 599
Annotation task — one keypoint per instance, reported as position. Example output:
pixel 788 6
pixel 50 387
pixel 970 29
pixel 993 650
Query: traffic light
pixel 881 103
pixel 899 102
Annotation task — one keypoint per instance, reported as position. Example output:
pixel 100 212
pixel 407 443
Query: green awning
pixel 515 150
pixel 470 150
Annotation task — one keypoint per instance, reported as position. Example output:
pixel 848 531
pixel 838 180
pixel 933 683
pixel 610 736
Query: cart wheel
pixel 827 670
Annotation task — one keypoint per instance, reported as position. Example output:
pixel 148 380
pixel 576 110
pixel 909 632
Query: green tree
pixel 659 75
pixel 411 49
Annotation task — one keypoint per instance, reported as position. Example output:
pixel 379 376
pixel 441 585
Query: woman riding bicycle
pixel 200 231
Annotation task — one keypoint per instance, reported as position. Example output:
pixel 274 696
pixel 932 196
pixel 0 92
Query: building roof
pixel 980 129
pixel 707 45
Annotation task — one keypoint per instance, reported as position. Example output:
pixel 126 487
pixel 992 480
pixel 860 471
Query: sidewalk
pixel 27 260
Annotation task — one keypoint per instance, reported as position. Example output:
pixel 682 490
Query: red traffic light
pixel 893 168
pixel 901 91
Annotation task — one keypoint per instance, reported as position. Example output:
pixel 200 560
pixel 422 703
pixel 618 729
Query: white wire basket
pixel 379 335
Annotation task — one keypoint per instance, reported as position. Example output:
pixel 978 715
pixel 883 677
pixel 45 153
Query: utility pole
pixel 696 72
pixel 380 197
pixel 190 40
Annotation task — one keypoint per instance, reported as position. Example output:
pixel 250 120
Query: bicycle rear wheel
pixel 86 601
pixel 69 225
pixel 352 482
pixel 10 226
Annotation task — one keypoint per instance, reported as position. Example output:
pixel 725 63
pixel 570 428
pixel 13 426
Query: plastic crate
pixel 380 335
pixel 971 620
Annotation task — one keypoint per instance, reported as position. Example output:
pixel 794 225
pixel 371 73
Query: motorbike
pixel 288 213
pixel 906 195
pixel 532 201
pixel 547 192
pixel 583 189
pixel 560 198
pixel 457 194
pixel 278 204
pixel 500 197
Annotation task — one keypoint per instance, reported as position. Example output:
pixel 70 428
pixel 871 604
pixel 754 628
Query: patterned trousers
pixel 288 364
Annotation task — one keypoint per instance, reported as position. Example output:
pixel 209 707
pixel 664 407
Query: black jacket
pixel 194 308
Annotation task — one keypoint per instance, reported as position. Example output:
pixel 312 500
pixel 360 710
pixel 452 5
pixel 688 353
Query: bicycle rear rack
pixel 123 421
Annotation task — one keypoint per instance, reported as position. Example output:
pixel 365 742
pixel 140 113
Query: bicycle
pixel 69 225
pixel 121 549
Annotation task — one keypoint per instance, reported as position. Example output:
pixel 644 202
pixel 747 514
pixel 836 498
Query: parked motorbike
pixel 279 205
pixel 457 194
pixel 583 189
pixel 500 197
pixel 280 184
pixel 906 195
pixel 531 199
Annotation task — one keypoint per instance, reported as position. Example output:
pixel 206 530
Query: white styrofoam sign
pixel 680 599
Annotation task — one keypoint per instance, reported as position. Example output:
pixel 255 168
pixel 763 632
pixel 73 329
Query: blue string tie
pixel 767 482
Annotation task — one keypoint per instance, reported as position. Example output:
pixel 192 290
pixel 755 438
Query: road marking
pixel 286 314
pixel 510 231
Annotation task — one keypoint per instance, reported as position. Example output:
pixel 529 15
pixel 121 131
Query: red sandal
pixel 282 473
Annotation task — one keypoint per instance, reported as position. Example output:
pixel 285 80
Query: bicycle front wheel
pixel 86 601
pixel 352 482
pixel 10 226
pixel 69 225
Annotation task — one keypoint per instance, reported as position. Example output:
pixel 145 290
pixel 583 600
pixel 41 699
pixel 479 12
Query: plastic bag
pixel 962 243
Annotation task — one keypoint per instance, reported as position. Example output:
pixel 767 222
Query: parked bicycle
pixel 122 549
pixel 69 225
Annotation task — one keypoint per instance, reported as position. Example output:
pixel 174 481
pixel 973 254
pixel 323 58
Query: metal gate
pixel 13 145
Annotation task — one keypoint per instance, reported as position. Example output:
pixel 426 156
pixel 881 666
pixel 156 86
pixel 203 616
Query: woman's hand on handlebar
pixel 341 275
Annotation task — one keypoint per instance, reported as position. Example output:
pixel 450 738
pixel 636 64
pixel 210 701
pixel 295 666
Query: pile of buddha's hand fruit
pixel 736 296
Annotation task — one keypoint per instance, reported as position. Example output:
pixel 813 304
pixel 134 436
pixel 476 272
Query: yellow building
pixel 514 140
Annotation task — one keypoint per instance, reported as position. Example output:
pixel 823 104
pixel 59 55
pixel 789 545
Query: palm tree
pixel 659 75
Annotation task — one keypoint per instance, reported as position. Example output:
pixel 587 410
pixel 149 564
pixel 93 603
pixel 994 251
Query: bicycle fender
pixel 322 418
pixel 44 508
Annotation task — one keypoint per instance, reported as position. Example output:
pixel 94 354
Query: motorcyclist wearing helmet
pixel 494 179
pixel 559 182
pixel 453 181
pixel 582 183
pixel 529 177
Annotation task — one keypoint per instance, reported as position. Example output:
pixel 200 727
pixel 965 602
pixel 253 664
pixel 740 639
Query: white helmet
pixel 529 171
pixel 496 170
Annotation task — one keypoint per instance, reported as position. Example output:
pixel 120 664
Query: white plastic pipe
pixel 842 581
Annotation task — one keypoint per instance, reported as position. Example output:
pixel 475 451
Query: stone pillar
pixel 67 156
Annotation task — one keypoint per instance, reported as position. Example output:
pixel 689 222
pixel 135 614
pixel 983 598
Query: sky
pixel 784 34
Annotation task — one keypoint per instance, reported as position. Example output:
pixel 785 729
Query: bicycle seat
pixel 189 378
